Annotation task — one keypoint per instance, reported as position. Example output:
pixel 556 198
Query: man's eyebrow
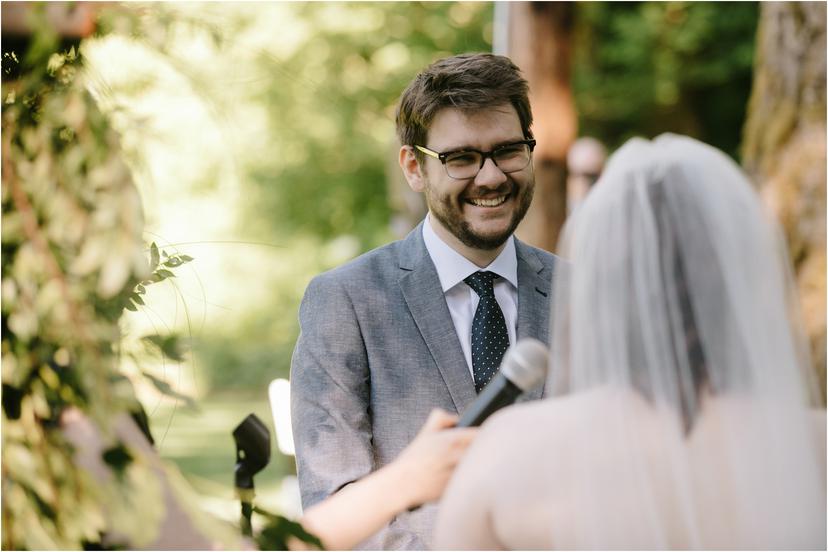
pixel 467 147
pixel 508 142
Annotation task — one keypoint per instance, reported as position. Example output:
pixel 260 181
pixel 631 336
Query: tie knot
pixel 482 283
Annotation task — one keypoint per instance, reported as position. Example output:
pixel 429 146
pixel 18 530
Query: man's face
pixel 480 212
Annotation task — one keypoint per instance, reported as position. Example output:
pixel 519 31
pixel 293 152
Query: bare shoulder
pixel 554 416
pixel 511 470
pixel 520 433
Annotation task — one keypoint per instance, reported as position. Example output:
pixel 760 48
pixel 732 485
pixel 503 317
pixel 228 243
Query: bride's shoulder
pixel 597 402
pixel 558 416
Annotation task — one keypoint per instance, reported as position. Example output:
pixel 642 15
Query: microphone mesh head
pixel 525 363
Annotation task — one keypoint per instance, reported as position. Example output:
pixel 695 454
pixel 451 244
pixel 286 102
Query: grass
pixel 200 443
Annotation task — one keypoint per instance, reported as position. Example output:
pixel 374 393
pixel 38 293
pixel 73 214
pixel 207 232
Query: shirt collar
pixel 453 268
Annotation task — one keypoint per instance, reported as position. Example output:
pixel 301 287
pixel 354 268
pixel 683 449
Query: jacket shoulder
pixel 547 259
pixel 369 265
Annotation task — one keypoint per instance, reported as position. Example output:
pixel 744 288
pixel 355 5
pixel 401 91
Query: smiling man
pixel 424 322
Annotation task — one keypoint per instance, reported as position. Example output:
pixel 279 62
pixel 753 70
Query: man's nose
pixel 490 174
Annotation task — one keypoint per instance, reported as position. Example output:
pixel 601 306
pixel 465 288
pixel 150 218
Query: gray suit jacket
pixel 377 351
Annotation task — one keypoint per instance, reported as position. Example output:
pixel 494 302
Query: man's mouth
pixel 488 201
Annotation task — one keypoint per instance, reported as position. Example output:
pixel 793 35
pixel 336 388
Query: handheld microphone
pixel 523 367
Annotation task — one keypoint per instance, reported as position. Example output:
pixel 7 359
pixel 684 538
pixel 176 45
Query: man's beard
pixel 451 218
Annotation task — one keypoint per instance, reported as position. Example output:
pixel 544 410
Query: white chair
pixel 278 393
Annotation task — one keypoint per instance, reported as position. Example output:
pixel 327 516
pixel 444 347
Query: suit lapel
pixel 420 287
pixel 534 291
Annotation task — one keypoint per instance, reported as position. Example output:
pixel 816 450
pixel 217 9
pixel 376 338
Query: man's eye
pixel 508 151
pixel 462 159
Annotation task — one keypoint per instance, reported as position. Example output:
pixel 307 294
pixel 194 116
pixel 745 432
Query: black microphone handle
pixel 498 393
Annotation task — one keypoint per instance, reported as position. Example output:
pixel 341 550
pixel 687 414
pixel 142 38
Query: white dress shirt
pixel 453 268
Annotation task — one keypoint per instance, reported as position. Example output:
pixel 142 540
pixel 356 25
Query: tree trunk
pixel 539 38
pixel 784 147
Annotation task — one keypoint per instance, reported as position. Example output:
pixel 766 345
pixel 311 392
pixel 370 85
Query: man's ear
pixel 411 169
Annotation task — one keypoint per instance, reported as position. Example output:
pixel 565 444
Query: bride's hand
pixel 426 464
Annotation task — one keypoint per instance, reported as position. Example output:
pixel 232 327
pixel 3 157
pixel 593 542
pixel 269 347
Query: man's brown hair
pixel 466 82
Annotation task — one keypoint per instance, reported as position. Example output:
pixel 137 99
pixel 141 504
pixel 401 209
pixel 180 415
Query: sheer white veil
pixel 677 292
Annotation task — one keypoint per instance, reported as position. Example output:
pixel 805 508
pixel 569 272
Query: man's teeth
pixel 489 202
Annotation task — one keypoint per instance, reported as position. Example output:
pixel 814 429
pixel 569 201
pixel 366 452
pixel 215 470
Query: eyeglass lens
pixel 466 164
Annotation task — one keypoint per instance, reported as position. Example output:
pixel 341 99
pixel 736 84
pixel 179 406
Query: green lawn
pixel 200 443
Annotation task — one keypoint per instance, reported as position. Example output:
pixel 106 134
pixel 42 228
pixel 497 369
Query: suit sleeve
pixel 330 393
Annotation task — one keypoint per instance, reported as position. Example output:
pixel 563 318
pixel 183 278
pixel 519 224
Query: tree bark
pixel 784 147
pixel 539 42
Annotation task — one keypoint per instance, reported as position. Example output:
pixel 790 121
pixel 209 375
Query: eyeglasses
pixel 467 163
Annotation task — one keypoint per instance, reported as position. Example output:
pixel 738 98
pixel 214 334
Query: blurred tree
pixel 784 147
pixel 331 105
pixel 643 68
pixel 72 255
pixel 77 471
pixel 638 68
pixel 540 42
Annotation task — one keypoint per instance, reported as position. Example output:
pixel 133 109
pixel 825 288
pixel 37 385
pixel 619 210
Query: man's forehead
pixel 476 113
pixel 460 126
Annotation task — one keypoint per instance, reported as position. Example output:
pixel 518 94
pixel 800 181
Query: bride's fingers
pixel 439 419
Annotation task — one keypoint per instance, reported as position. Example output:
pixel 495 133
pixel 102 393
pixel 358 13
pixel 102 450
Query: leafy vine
pixel 73 260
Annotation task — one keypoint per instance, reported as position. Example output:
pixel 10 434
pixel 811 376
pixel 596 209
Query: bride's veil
pixel 677 291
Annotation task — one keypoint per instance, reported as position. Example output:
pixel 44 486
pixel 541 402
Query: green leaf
pixel 137 298
pixel 185 258
pixel 154 257
pixel 131 306
pixel 165 273
pixel 279 529
pixel 118 458
pixel 140 289
pixel 165 389
pixel 173 262
pixel 56 61
pixel 169 345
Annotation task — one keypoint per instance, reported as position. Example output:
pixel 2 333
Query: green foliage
pixel 169 346
pixel 279 531
pixel 160 270
pixel 72 260
pixel 330 105
pixel 642 68
pixel 169 391
pixel 118 458
pixel 245 361
pixel 71 255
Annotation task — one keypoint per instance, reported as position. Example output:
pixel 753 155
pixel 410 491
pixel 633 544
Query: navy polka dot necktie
pixel 489 337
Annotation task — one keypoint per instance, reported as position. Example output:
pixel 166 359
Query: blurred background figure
pixel 584 163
